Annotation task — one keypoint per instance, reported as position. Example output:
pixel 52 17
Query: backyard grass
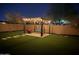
pixel 50 45
pixel 6 34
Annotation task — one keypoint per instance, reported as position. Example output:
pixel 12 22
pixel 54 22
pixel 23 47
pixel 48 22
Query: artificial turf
pixel 50 45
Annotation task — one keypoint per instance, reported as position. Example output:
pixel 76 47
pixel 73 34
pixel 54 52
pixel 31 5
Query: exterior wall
pixel 57 29
pixel 10 27
pixel 65 29
pixel 31 27
pixel 48 28
pixel 60 29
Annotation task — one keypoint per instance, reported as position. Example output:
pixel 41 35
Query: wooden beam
pixel 41 28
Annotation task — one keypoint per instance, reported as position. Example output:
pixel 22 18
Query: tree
pixel 63 10
pixel 19 17
pixel 10 17
pixel 13 17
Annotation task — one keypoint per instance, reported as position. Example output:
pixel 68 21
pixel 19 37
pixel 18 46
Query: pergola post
pixel 34 26
pixel 41 28
pixel 24 28
pixel 49 26
pixel 24 25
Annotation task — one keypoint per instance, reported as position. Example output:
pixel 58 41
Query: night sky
pixel 28 10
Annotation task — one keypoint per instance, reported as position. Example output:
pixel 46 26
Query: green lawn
pixel 6 34
pixel 52 44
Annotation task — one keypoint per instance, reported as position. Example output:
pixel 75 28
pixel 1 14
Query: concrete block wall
pixel 57 29
pixel 10 27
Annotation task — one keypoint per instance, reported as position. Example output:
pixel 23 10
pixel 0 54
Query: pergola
pixel 38 20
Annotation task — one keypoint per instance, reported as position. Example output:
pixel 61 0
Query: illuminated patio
pixel 37 34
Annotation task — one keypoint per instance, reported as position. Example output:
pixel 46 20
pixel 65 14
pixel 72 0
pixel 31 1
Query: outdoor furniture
pixel 29 30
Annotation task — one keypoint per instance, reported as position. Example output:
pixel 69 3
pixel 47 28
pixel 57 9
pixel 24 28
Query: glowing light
pixel 64 21
pixel 25 19
pixel 4 38
pixel 3 23
pixel 49 22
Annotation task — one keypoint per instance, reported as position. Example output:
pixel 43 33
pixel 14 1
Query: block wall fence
pixel 56 29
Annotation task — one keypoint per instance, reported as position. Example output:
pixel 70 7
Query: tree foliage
pixel 13 17
pixel 63 10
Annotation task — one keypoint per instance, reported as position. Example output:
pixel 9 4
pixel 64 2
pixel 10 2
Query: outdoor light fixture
pixel 24 19
pixel 49 22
